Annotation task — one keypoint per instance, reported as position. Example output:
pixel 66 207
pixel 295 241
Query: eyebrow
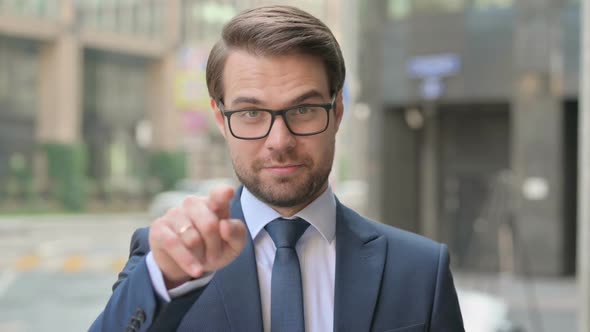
pixel 255 101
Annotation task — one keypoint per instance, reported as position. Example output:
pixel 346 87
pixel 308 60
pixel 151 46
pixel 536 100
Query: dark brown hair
pixel 271 31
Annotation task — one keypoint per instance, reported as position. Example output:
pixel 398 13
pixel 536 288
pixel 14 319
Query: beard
pixel 285 191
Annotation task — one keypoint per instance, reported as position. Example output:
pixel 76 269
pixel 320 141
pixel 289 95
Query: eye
pixel 302 110
pixel 252 113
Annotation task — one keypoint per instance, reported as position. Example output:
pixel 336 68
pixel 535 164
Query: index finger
pixel 219 200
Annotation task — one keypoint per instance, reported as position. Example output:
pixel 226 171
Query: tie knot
pixel 286 233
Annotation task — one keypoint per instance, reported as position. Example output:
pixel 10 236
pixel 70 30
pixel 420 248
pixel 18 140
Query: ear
pixel 339 110
pixel 219 118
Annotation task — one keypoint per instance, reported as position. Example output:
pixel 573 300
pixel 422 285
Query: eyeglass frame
pixel 274 114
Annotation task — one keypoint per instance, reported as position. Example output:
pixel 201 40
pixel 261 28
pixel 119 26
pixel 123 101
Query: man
pixel 281 253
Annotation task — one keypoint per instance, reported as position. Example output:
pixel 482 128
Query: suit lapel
pixel 360 258
pixel 238 283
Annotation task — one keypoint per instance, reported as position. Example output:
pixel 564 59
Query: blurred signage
pixel 431 69
pixel 432 87
pixel 436 65
pixel 190 88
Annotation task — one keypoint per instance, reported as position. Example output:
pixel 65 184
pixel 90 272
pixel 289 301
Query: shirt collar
pixel 321 213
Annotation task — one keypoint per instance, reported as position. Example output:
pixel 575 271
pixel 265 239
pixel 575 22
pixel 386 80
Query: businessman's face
pixel 285 170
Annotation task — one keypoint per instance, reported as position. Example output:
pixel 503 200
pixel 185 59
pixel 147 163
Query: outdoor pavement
pixel 56 272
pixel 535 304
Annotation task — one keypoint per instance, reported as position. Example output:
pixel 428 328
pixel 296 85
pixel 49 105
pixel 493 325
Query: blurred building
pixel 88 76
pixel 473 122
pixel 122 81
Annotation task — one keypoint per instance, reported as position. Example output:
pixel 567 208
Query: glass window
pixel 132 17
pixel 398 9
pixel 18 73
pixel 126 17
pixel 144 24
pixel 3 75
pixel 492 4
pixel 438 5
pixel 202 21
pixel 214 13
pixel 158 18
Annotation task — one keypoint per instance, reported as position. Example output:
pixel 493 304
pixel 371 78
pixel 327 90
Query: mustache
pixel 282 157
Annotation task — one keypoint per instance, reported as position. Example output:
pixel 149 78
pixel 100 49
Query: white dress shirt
pixel 317 256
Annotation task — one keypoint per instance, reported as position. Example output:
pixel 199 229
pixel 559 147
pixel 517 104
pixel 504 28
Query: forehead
pixel 273 79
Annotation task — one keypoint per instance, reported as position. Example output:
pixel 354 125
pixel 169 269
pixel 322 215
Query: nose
pixel 279 137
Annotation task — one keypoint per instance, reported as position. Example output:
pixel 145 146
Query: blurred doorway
pixel 114 108
pixel 471 152
pixel 401 155
pixel 19 79
pixel 474 150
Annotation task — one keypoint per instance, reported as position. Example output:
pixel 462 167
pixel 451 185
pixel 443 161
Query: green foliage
pixel 168 167
pixel 344 169
pixel 19 183
pixel 67 169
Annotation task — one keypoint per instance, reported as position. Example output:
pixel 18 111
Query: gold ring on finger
pixel 184 228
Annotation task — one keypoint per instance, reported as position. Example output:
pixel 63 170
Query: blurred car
pixel 163 201
pixel 353 193
pixel 484 312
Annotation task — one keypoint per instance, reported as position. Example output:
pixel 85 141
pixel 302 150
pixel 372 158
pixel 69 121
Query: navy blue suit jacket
pixel 386 280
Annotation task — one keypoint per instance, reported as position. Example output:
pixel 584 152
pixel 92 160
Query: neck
pixel 289 211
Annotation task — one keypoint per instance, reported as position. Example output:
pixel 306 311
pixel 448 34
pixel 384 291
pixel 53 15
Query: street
pixel 56 274
pixel 536 305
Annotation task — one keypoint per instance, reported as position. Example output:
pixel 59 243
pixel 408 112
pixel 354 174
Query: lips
pixel 284 169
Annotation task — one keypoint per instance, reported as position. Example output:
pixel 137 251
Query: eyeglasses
pixel 301 120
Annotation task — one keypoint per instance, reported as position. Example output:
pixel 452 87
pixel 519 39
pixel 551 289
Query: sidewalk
pixel 552 302
pixel 67 243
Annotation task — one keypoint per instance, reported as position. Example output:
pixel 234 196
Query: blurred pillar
pixel 61 84
pixel 351 146
pixel 537 136
pixel 163 115
pixel 165 120
pixel 370 62
pixel 428 175
pixel 583 267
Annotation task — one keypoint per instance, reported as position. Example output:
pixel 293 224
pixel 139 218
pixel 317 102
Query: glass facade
pixel 202 20
pixel 400 9
pixel 31 8
pixel 438 5
pixel 492 4
pixel 19 74
pixel 134 17
pixel 114 108
pixel 19 67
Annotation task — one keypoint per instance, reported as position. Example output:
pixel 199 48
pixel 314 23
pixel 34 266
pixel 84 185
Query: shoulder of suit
pixel 400 235
pixel 141 233
pixel 140 239
pixel 394 235
pixel 402 238
pixel 408 247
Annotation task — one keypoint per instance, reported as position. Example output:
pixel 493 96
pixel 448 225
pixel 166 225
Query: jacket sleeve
pixel 446 313
pixel 133 304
